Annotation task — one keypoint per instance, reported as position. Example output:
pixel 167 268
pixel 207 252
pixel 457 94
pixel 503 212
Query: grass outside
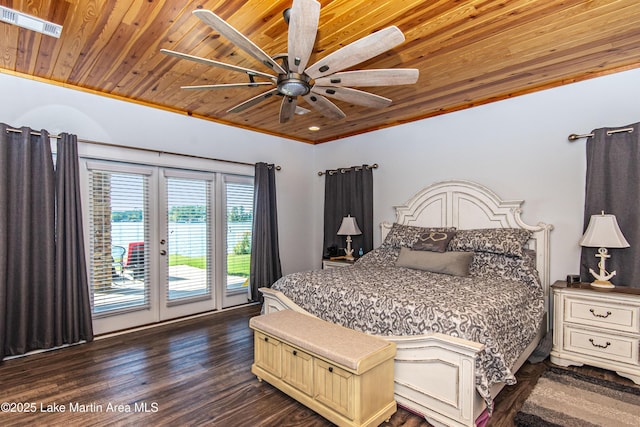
pixel 237 265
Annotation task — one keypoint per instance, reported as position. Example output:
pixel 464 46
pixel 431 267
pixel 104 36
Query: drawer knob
pixel 599 345
pixel 330 368
pixel 604 316
pixel 295 353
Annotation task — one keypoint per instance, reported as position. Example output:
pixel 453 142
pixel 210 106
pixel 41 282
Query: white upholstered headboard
pixel 467 205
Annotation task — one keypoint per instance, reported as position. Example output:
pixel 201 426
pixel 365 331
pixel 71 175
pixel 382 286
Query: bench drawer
pixel 267 353
pixel 334 387
pixel 297 368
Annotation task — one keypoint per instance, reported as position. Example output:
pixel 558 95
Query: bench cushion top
pixel 336 343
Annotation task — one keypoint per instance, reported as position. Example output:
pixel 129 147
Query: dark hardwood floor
pixel 194 372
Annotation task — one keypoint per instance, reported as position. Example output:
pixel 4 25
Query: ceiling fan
pixel 313 83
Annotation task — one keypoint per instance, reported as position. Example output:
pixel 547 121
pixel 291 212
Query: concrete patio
pixel 185 282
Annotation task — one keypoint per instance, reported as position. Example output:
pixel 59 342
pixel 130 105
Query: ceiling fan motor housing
pixel 293 84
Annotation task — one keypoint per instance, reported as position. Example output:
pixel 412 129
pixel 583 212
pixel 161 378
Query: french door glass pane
pixel 239 203
pixel 119 230
pixel 188 245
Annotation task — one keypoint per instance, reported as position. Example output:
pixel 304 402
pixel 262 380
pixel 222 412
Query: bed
pixel 462 328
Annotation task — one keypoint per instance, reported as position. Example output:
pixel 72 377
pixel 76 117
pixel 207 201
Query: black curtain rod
pixel 343 170
pixel 574 136
pixel 149 150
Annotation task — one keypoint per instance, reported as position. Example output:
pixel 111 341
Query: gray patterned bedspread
pixel 376 297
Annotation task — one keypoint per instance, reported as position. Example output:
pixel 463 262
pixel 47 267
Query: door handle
pixel 163 252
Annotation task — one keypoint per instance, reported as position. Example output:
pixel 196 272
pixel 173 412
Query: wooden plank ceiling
pixel 468 53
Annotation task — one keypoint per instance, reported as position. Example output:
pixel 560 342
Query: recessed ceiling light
pixel 314 128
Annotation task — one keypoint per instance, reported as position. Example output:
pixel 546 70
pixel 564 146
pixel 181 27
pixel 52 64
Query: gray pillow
pixel 434 241
pixel 453 263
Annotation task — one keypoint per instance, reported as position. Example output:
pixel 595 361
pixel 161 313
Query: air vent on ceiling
pixel 30 22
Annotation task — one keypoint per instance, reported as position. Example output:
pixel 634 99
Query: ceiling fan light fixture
pixel 293 84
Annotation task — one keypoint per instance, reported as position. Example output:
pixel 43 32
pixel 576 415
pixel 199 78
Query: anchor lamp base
pixel 602 284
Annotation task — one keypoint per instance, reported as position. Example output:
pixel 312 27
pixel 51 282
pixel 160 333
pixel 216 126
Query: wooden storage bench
pixel 344 375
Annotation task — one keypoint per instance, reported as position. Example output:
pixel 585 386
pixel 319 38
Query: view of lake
pixel 186 239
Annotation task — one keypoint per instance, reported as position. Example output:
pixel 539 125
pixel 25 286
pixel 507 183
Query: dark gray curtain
pixel 72 300
pixel 265 252
pixel 613 186
pixel 27 241
pixel 348 191
pixel 35 307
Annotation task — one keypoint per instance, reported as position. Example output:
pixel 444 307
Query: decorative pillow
pixel 406 235
pixel 434 241
pixel 453 263
pixel 507 241
pixel 487 264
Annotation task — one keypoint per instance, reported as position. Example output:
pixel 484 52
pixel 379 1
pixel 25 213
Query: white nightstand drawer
pixel 613 347
pixel 604 314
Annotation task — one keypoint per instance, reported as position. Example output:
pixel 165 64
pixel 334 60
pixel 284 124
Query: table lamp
pixel 603 232
pixel 349 227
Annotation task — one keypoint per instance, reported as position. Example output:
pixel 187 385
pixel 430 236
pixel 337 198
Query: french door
pixel 162 242
pixel 186 243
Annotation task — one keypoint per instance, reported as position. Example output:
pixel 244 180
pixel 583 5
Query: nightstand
pixel 336 263
pixel 597 327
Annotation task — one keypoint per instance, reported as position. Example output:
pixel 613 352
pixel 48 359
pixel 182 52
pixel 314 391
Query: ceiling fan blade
pixel 253 101
pixel 324 106
pixel 303 27
pixel 237 38
pixel 213 63
pixel 352 96
pixel 288 108
pixel 357 52
pixel 379 77
pixel 227 86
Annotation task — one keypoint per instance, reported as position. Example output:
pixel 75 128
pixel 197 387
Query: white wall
pixel 517 147
pixel 42 106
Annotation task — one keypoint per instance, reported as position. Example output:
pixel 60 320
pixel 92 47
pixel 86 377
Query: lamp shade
pixel 349 227
pixel 603 232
